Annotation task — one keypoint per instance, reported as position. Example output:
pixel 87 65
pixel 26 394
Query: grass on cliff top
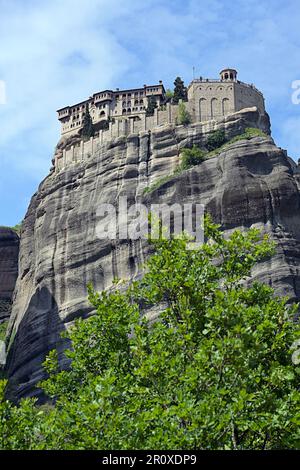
pixel 195 156
pixel 3 328
pixel 250 133
pixel 16 228
pixel 159 182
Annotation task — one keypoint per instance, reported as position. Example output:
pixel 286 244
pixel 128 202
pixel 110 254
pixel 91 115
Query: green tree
pixel 180 91
pixel 214 371
pixel 169 94
pixel 183 116
pixel 191 157
pixel 152 105
pixel 88 130
pixel 215 140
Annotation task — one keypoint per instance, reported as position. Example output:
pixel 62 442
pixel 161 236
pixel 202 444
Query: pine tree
pixel 88 130
pixel 151 106
pixel 180 91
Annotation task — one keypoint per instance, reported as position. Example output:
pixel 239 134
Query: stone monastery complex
pixel 123 112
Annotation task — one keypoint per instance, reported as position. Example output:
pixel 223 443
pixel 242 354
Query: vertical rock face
pixel 9 253
pixel 250 183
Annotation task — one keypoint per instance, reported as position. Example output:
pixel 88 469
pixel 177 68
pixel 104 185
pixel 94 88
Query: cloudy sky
pixel 57 52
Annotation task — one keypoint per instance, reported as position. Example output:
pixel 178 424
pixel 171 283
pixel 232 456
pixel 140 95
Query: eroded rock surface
pixel 251 183
pixel 9 253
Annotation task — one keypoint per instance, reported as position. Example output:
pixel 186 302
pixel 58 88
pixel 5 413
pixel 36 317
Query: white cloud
pixel 57 52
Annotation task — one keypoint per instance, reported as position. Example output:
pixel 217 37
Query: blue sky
pixel 58 52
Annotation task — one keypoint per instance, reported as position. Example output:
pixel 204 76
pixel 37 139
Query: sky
pixel 55 53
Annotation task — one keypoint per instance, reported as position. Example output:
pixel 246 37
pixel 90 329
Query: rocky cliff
pixel 9 253
pixel 250 183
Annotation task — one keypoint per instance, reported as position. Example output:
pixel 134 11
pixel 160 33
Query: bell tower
pixel 228 75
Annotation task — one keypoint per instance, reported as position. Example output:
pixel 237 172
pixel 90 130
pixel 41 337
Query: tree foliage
pixel 184 116
pixel 214 371
pixel 88 129
pixel 169 94
pixel 215 140
pixel 180 91
pixel 191 157
pixel 152 105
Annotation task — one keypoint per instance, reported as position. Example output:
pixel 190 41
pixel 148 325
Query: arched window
pixel 124 111
pixel 129 110
pixel 225 106
pixel 214 108
pixel 202 109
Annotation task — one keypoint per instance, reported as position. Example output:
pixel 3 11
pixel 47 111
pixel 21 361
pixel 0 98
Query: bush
pixel 183 117
pixel 215 140
pixel 191 157
pixel 250 133
pixel 3 328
